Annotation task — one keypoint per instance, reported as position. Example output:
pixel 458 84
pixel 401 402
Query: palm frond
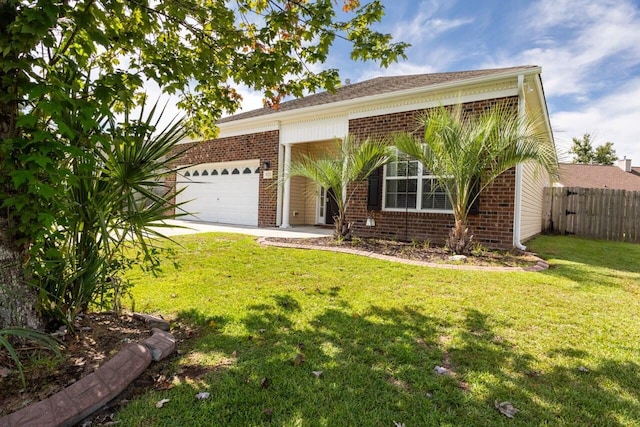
pixel 462 149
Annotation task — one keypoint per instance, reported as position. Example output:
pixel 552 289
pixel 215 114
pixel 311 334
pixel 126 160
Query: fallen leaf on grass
pixel 265 383
pixel 203 395
pixel 160 403
pixel 506 409
pixel 298 359
pixel 441 370
pixel 464 386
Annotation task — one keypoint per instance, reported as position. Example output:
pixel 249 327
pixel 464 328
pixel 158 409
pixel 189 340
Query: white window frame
pixel 420 178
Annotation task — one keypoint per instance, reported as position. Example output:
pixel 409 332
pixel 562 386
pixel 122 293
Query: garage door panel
pixel 230 198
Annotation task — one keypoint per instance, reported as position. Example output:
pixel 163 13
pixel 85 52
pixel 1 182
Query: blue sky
pixel 589 51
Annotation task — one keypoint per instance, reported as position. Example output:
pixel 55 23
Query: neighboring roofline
pixel 344 105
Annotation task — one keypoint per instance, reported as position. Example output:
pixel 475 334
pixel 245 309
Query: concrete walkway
pixel 179 227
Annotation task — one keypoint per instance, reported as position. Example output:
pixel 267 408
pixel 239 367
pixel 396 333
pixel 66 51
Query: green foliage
pixel 69 67
pixel 584 153
pixel 377 330
pixel 605 154
pixel 117 194
pixel 10 335
pixel 343 171
pixel 464 150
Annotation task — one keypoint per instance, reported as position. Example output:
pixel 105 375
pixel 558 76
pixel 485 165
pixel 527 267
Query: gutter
pixel 518 196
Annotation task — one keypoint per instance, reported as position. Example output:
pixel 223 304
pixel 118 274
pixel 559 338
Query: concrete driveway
pixel 180 227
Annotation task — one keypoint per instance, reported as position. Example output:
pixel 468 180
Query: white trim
pixel 419 178
pixel 266 122
pixel 286 194
pixel 318 129
pixel 280 188
pixel 435 101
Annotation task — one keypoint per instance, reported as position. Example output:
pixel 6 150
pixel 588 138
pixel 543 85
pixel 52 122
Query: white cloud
pixel 614 118
pixel 422 28
pixel 579 40
pixel 576 42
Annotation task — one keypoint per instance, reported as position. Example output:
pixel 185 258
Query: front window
pixel 408 186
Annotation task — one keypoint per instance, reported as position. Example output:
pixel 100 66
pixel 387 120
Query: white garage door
pixel 220 192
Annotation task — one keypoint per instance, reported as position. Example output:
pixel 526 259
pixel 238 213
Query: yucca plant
pixel 116 201
pixel 343 171
pixel 466 150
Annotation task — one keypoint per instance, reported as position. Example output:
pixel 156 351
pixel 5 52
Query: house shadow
pixel 375 366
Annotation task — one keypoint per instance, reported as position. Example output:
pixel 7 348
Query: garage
pixel 220 192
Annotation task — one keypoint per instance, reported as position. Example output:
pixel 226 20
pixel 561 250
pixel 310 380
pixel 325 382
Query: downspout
pixel 519 172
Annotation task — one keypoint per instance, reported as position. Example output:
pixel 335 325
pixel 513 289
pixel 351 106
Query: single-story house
pixel 233 178
pixel 621 176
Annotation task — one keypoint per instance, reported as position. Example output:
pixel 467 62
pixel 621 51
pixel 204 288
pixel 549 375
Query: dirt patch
pixel 420 251
pixel 98 337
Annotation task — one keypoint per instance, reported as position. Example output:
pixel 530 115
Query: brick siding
pixel 492 226
pixel 261 145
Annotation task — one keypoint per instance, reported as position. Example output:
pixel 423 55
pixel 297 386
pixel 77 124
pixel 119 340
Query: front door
pixel 331 207
pixel 327 206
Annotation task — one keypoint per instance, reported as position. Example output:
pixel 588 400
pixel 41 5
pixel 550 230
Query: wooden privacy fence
pixel 592 212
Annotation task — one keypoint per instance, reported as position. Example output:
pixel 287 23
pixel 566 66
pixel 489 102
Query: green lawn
pixel 562 346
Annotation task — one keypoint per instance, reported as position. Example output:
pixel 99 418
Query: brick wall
pixel 493 226
pixel 262 146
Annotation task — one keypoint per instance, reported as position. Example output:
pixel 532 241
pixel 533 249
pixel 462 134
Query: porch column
pixel 286 194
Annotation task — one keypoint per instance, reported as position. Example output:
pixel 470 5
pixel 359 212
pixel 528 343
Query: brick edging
pixel 92 392
pixel 540 265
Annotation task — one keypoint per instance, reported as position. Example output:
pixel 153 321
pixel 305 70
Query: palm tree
pixel 343 173
pixel 111 210
pixel 467 152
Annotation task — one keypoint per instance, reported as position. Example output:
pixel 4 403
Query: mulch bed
pixel 98 337
pixel 420 251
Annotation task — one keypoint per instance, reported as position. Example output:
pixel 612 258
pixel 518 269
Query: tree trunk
pixel 343 228
pixel 459 241
pixel 17 298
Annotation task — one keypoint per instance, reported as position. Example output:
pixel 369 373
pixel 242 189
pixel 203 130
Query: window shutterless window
pixel 407 186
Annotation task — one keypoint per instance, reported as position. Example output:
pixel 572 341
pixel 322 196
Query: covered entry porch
pixel 303 201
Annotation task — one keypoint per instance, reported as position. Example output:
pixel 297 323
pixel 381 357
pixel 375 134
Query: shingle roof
pixel 376 86
pixel 598 176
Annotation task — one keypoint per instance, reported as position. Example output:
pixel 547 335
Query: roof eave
pixel 342 106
